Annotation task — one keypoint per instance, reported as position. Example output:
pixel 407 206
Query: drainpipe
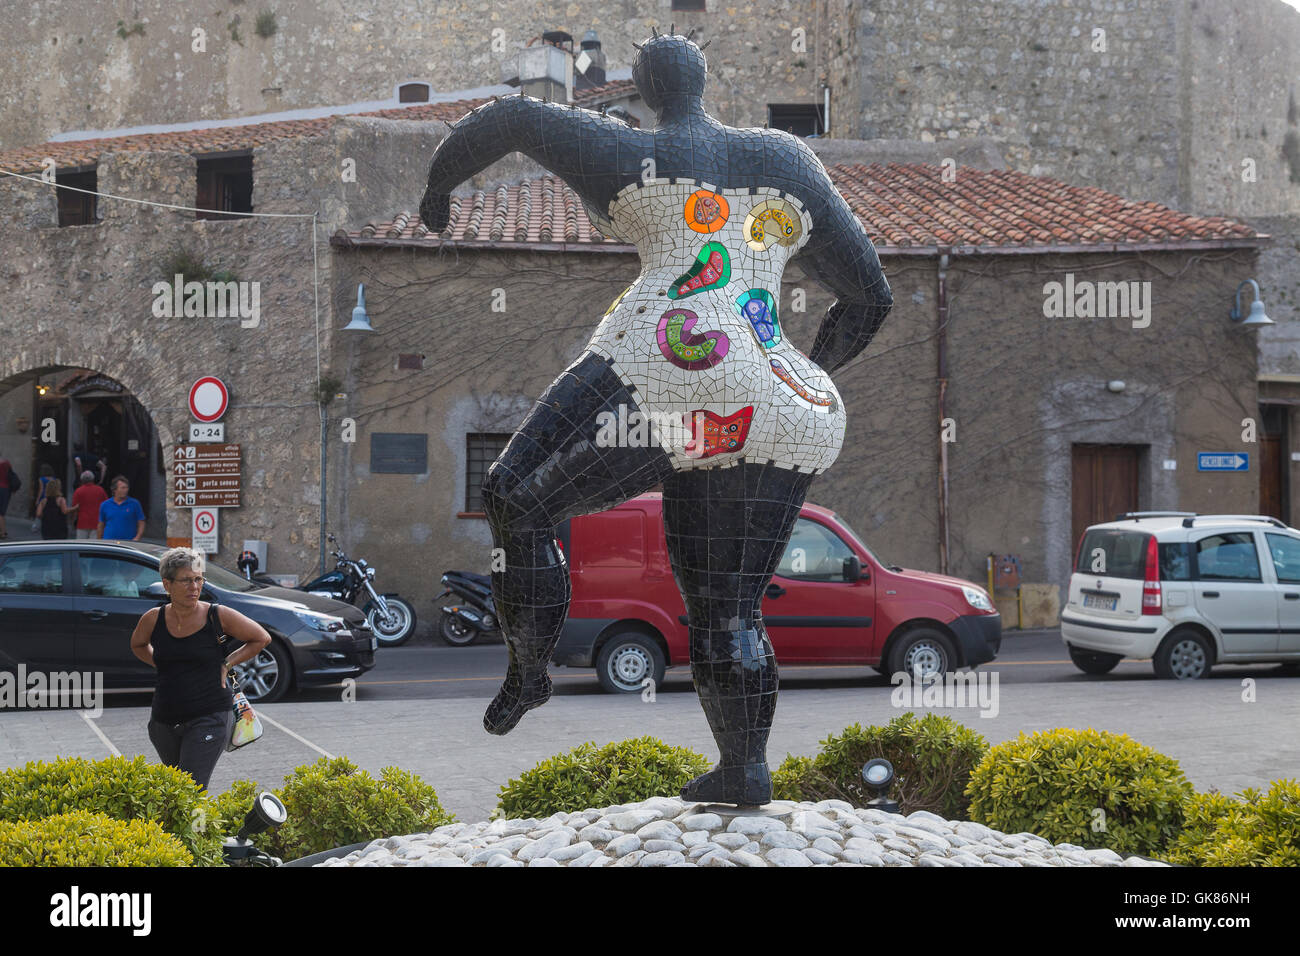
pixel 943 411
pixel 324 436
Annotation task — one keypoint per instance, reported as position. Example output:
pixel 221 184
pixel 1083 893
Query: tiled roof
pixel 219 139
pixel 594 96
pixel 902 205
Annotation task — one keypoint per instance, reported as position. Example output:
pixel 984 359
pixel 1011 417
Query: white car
pixel 1187 590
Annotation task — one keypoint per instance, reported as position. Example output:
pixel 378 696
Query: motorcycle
pixel 392 618
pixel 474 615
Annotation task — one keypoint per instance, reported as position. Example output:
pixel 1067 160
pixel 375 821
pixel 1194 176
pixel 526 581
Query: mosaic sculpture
pixel 715 214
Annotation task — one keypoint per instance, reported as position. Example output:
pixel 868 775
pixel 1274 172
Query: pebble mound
pixel 666 831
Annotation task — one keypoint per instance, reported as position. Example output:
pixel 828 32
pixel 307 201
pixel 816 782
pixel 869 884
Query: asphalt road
pixel 1234 730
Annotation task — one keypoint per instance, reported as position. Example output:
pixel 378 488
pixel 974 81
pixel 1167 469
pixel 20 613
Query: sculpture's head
pixel 667 68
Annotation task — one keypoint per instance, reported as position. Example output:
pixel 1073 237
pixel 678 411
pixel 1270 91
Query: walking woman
pixel 53 512
pixel 192 711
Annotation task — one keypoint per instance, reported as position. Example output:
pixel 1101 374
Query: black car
pixel 72 605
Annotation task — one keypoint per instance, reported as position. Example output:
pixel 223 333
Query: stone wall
pixel 68 69
pixel 1022 389
pixel 82 296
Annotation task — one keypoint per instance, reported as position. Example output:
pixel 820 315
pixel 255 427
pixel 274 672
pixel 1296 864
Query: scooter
pixel 474 615
pixel 392 618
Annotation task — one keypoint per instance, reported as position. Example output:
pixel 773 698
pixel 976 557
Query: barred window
pixel 481 449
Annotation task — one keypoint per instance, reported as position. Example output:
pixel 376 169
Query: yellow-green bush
pixel 1055 782
pixel 124 789
pixel 331 803
pixel 83 838
pixel 1260 829
pixel 932 758
pixel 589 776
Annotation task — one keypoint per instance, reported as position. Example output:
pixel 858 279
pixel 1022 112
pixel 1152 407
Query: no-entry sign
pixel 209 399
pixel 204 530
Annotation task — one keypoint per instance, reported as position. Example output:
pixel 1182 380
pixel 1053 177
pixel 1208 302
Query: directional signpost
pixel 1222 461
pixel 206 476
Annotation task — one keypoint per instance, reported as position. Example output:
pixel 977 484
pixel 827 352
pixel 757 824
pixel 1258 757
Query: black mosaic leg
pixel 553 469
pixel 726 530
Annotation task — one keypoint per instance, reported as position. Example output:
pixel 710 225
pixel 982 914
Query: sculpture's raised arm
pixel 584 148
pixel 843 258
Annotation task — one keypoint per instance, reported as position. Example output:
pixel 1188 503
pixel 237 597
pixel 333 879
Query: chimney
pixel 589 67
pixel 544 70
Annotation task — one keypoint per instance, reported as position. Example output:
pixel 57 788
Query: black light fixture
pixel 268 812
pixel 879 777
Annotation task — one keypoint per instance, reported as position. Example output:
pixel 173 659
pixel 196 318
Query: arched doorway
pixel 50 416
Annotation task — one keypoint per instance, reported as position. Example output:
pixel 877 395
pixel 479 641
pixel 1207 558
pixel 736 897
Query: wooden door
pixel 1104 483
pixel 1270 476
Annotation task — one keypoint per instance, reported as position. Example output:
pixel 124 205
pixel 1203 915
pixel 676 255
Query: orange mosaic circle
pixel 706 211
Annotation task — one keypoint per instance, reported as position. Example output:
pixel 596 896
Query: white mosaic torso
pixel 789 429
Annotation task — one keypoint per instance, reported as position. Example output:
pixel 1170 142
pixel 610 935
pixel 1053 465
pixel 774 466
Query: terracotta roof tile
pixel 901 205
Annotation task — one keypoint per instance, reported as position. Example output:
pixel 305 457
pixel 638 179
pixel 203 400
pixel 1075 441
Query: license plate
pixel 1101 602
pixel 374 643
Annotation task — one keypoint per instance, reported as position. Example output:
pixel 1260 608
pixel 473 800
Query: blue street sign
pixel 1222 461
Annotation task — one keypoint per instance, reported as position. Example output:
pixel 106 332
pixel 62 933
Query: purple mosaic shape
pixel 690 342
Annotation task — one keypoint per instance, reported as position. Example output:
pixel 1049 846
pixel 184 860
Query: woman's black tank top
pixel 189 673
pixel 54 523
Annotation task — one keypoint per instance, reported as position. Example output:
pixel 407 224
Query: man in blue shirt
pixel 121 518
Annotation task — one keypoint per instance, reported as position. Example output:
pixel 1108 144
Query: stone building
pixel 472 324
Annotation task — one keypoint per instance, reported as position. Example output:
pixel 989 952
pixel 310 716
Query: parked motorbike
pixel 391 617
pixel 475 613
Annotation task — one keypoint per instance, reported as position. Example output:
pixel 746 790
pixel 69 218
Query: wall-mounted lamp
pixel 1257 317
pixel 1115 385
pixel 360 320
pixel 41 390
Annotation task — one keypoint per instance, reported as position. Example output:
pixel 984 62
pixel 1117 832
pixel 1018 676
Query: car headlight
pixel 977 599
pixel 320 622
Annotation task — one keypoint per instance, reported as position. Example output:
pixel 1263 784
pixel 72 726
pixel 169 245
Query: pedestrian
pixel 193 712
pixel 121 518
pixel 87 499
pixel 87 461
pixel 7 475
pixel 53 512
pixel 45 473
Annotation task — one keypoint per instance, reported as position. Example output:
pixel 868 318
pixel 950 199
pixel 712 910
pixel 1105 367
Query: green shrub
pixel 1053 783
pixel 932 757
pixel 591 776
pixel 331 803
pixel 229 809
pixel 124 789
pixel 82 838
pixel 1258 830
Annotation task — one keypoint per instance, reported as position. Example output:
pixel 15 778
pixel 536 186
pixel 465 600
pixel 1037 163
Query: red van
pixel 830 602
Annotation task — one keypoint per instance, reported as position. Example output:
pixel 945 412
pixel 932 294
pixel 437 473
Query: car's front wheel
pixel 1094 662
pixel 1184 655
pixel 627 661
pixel 267 676
pixel 923 653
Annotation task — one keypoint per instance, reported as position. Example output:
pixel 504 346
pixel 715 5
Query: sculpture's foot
pixel 521 692
pixel 746 785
